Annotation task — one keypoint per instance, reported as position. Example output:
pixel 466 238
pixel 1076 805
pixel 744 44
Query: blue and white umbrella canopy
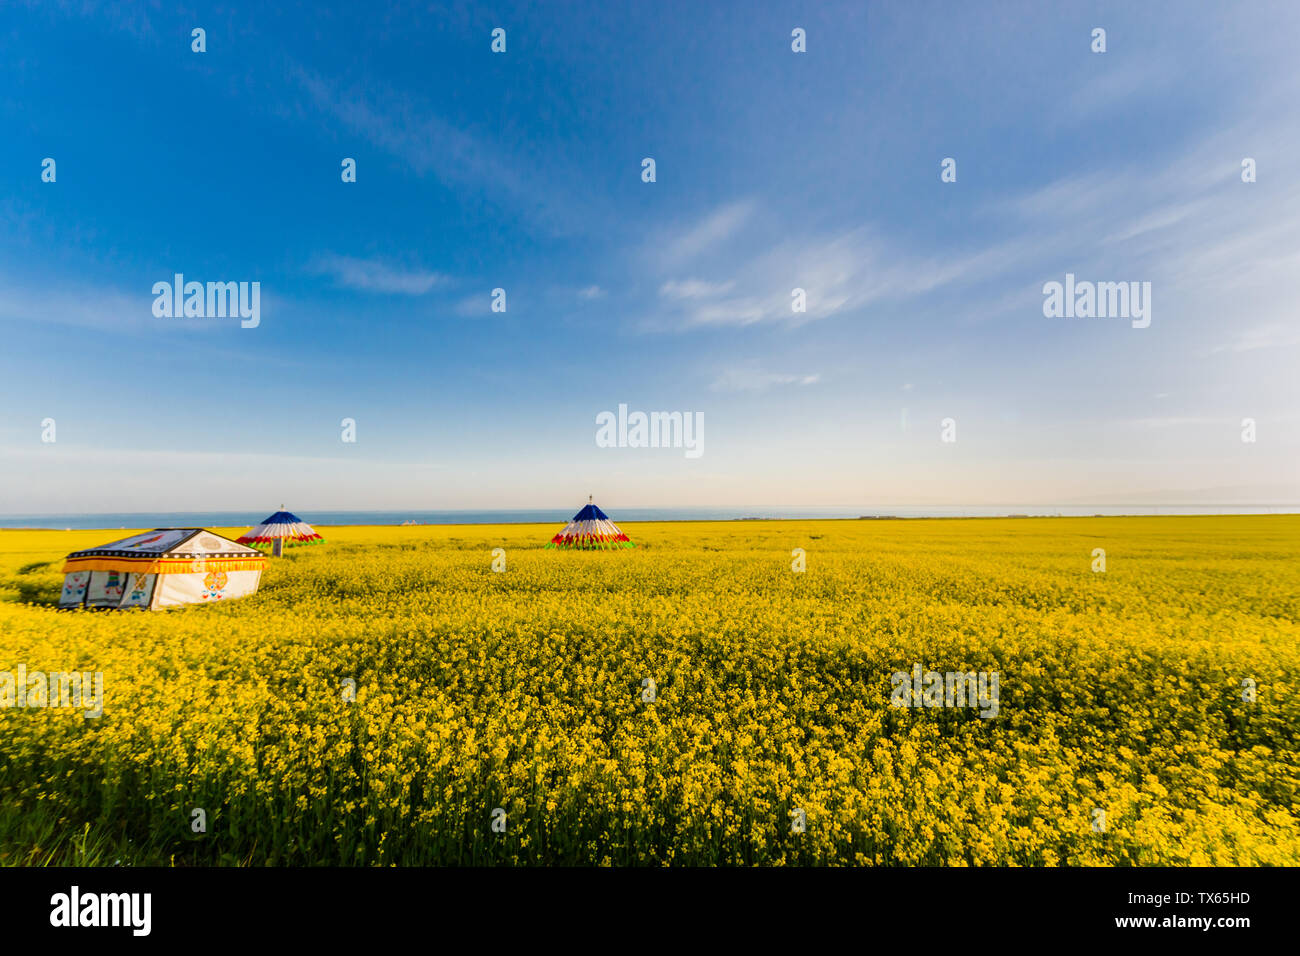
pixel 591 528
pixel 283 526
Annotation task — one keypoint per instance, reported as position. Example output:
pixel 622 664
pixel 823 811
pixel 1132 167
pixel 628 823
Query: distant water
pixel 235 519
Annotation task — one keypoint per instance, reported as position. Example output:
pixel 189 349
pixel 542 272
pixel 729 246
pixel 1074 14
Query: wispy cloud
pixel 591 292
pixel 411 130
pixel 717 227
pixel 375 275
pixel 1177 421
pixel 694 289
pixel 1121 84
pixel 99 307
pixel 104 309
pixel 1272 336
pixel 474 305
pixel 752 378
pixel 837 273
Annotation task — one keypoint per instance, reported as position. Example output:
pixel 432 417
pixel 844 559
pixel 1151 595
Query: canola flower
pixel 383 695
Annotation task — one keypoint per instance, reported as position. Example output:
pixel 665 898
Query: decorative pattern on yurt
pixel 161 568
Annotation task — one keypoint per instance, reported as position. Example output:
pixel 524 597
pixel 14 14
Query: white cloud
pixel 715 228
pixel 409 128
pixel 693 289
pixel 1220 253
pixel 839 273
pixel 1178 421
pixel 591 292
pixel 754 379
pixel 1120 86
pixel 374 275
pixel 1272 336
pixel 472 305
pixel 105 309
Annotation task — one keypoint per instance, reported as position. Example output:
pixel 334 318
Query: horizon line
pixel 737 508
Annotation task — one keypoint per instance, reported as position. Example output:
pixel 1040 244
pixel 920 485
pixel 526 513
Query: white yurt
pixel 165 567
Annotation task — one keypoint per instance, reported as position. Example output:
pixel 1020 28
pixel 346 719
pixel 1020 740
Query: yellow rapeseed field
pixel 692 701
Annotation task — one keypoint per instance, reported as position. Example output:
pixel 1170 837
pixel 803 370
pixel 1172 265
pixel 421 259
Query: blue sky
pixel 522 171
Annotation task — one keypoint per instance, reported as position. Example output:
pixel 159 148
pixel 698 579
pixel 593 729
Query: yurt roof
pixel 169 542
pixel 168 551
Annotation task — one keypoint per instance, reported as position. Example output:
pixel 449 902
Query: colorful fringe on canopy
pixel 591 529
pixel 284 525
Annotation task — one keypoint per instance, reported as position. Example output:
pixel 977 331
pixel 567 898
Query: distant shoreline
pixel 358 519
